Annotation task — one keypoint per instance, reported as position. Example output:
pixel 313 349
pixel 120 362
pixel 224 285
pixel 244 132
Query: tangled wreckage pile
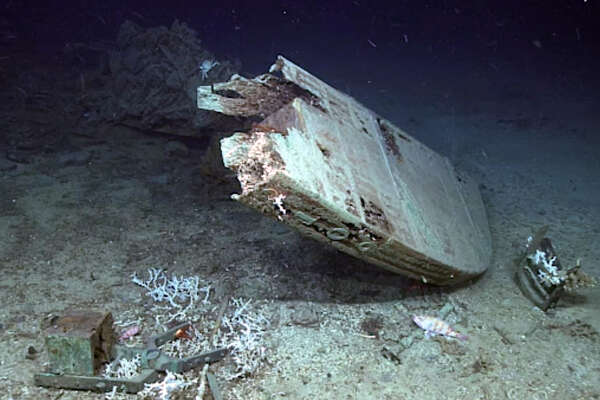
pixel 157 68
pixel 84 353
pixel 160 70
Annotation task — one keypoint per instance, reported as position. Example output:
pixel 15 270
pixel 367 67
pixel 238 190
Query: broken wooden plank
pixel 323 163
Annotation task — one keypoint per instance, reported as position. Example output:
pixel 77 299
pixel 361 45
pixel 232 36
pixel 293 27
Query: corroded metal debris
pixel 320 161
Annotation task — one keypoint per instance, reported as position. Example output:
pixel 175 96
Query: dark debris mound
pixel 153 75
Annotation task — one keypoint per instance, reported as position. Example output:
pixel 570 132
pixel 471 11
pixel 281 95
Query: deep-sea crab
pixel 206 66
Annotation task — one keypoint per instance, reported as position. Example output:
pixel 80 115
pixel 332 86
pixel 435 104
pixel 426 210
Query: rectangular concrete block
pixel 79 343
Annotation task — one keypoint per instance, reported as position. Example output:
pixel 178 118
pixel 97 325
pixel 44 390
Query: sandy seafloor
pixel 78 218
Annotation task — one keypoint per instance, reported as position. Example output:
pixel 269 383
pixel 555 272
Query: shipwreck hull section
pixel 321 162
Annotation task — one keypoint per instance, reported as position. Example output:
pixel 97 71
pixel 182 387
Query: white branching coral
pixel 180 295
pixel 243 334
pixel 241 329
pixel 548 273
pixel 172 385
pixel 123 368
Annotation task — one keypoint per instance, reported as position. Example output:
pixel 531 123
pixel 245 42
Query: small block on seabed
pixel 78 343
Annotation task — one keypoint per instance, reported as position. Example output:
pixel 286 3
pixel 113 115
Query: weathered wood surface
pixel 320 161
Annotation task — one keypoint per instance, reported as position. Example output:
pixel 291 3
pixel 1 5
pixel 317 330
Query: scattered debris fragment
pixel 124 368
pixel 171 384
pixel 391 356
pixel 77 363
pixel 240 325
pixel 104 365
pixel 577 279
pixel 541 276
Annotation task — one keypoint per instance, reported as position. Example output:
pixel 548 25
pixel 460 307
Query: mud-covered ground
pixel 84 206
